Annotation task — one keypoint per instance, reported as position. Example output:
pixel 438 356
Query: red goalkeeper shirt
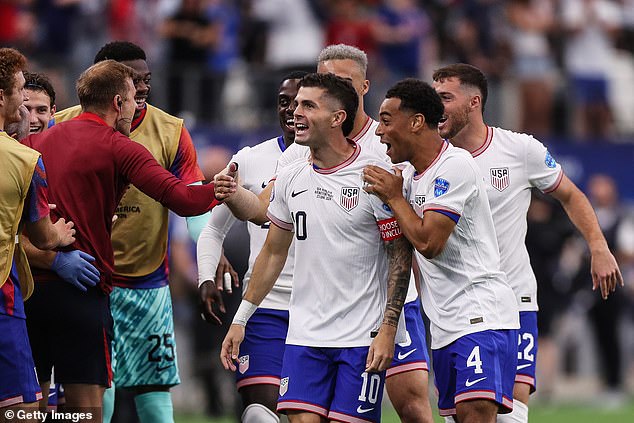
pixel 89 165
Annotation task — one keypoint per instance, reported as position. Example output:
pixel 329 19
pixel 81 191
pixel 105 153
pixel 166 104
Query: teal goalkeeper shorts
pixel 144 348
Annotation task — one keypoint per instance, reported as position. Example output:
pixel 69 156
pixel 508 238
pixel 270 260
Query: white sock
pixel 257 413
pixel 450 419
pixel 518 415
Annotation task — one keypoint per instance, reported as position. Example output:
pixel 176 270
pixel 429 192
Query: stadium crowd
pixel 576 54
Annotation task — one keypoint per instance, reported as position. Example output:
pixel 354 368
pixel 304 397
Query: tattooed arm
pixel 399 254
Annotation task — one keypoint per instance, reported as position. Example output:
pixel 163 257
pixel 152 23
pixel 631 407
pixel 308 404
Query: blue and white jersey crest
pixel 441 186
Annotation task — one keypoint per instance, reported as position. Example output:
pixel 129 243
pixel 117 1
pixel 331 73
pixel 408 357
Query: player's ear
pixel 417 122
pixel 366 87
pixel 339 118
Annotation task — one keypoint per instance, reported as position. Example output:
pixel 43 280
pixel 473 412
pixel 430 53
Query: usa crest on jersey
pixel 500 178
pixel 283 386
pixel 349 197
pixel 243 364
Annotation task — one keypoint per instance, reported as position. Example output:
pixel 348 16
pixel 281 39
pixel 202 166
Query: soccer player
pixel 258 376
pixel 41 101
pixel 103 162
pixel 407 378
pixel 339 340
pixel 145 359
pixel 472 309
pixel 23 204
pixel 511 164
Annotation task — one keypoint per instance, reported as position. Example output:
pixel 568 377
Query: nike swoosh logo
pixel 160 369
pixel 264 184
pixel 295 194
pixel 471 383
pixel 402 356
pixel 523 366
pixel 362 410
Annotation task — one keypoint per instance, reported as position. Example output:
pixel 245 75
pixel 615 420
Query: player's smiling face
pixel 314 116
pixel 142 82
pixel 40 111
pixel 455 98
pixel 286 107
pixel 393 129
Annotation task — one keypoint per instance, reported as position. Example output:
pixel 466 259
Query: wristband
pixel 244 313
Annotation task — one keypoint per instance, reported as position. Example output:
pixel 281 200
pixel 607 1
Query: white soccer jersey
pixel 369 141
pixel 511 164
pixel 340 280
pixel 463 290
pixel 256 167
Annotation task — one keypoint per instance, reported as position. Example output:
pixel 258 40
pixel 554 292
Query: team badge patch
pixel 243 365
pixel 283 386
pixel 419 200
pixel 550 161
pixel 441 186
pixel 349 197
pixel 500 178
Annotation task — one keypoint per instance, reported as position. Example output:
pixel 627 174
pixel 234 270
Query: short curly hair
pixel 11 62
pixel 419 97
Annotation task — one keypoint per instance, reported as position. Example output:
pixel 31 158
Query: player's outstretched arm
pixel 399 255
pixel 244 204
pixel 604 268
pixel 266 270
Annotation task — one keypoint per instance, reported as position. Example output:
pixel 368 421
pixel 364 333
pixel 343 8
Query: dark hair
pixel 298 74
pixel 467 74
pixel 39 82
pixel 120 51
pixel 100 83
pixel 11 62
pixel 339 89
pixel 419 97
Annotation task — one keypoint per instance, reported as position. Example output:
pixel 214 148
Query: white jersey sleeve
pixel 209 246
pixel 543 171
pixel 451 188
pixel 278 212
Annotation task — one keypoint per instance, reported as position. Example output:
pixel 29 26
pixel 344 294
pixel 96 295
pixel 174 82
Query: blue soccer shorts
pixel 332 383
pixel 262 351
pixel 18 378
pixel 527 349
pixel 479 365
pixel 411 354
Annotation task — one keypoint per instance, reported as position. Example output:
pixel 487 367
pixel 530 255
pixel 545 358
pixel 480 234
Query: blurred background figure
pixel 592 26
pixel 548 229
pixel 531 22
pixel 402 33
